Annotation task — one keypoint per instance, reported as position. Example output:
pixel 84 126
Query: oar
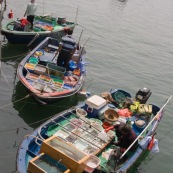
pixel 36 36
pixel 154 118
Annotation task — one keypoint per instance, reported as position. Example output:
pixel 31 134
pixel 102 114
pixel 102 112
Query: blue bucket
pixel 72 65
pixel 141 127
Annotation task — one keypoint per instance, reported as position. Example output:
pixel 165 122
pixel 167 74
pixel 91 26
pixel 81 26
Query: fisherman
pixel 67 48
pixel 30 12
pixel 126 136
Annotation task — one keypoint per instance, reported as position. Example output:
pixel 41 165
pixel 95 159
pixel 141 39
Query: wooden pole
pixel 0 35
pixel 76 15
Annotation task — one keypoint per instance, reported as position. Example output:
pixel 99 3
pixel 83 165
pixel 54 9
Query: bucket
pixel 92 163
pixel 76 122
pixel 111 115
pixel 72 65
pixel 107 126
pixel 81 113
pixel 139 125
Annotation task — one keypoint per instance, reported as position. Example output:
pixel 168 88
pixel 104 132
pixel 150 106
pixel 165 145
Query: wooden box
pixel 43 163
pixel 69 155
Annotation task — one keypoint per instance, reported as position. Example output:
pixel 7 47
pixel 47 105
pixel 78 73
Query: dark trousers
pixel 63 59
pixel 30 20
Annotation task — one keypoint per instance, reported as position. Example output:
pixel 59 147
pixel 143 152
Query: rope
pixel 22 105
pixel 24 127
pixel 15 56
pixel 90 30
pixel 14 102
pixel 90 80
pixel 5 79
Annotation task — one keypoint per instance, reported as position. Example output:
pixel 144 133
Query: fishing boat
pixel 79 139
pixel 47 82
pixel 44 26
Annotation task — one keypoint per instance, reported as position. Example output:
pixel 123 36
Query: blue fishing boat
pixel 47 82
pixel 44 26
pixel 79 139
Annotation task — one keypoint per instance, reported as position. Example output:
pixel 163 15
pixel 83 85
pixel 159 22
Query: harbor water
pixel 129 45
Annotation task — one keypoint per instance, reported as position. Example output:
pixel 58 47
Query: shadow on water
pixel 137 167
pixel 31 111
pixel 13 52
pixel 120 2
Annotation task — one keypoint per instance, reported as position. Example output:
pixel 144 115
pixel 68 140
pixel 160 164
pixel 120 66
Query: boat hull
pixel 18 35
pixel 28 149
pixel 27 37
pixel 62 92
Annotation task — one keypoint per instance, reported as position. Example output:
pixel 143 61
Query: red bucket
pixel 107 126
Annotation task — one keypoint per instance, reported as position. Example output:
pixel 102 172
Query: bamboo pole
pixel 154 118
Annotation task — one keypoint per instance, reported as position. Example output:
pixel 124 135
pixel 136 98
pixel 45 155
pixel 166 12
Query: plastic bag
pixel 145 142
pixel 124 112
pixel 103 135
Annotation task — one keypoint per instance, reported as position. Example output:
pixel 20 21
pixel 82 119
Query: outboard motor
pixel 143 95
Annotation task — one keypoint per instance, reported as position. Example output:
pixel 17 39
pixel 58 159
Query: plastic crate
pixel 40 69
pixel 30 67
pixel 55 70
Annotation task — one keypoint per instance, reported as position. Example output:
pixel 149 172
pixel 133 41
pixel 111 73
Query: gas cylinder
pixel 10 14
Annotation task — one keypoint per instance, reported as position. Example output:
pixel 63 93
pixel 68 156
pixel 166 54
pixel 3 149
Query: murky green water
pixel 130 47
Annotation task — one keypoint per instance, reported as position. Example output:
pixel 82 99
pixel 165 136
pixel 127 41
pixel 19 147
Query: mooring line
pixel 14 56
pixel 15 101
pixel 25 127
pixel 90 31
pixel 6 79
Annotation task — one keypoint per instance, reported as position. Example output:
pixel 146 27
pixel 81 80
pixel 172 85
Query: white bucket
pixel 92 163
pixel 81 113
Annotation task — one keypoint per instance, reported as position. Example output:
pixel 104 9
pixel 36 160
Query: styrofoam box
pixel 96 102
pixel 93 105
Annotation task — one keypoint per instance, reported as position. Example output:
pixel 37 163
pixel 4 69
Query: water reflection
pixel 120 3
pixel 13 53
pixel 122 0
pixel 30 111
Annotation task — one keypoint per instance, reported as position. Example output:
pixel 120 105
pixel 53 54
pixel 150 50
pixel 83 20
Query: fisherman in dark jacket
pixel 126 136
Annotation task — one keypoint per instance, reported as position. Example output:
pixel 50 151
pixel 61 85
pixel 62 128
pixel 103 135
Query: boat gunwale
pixel 126 165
